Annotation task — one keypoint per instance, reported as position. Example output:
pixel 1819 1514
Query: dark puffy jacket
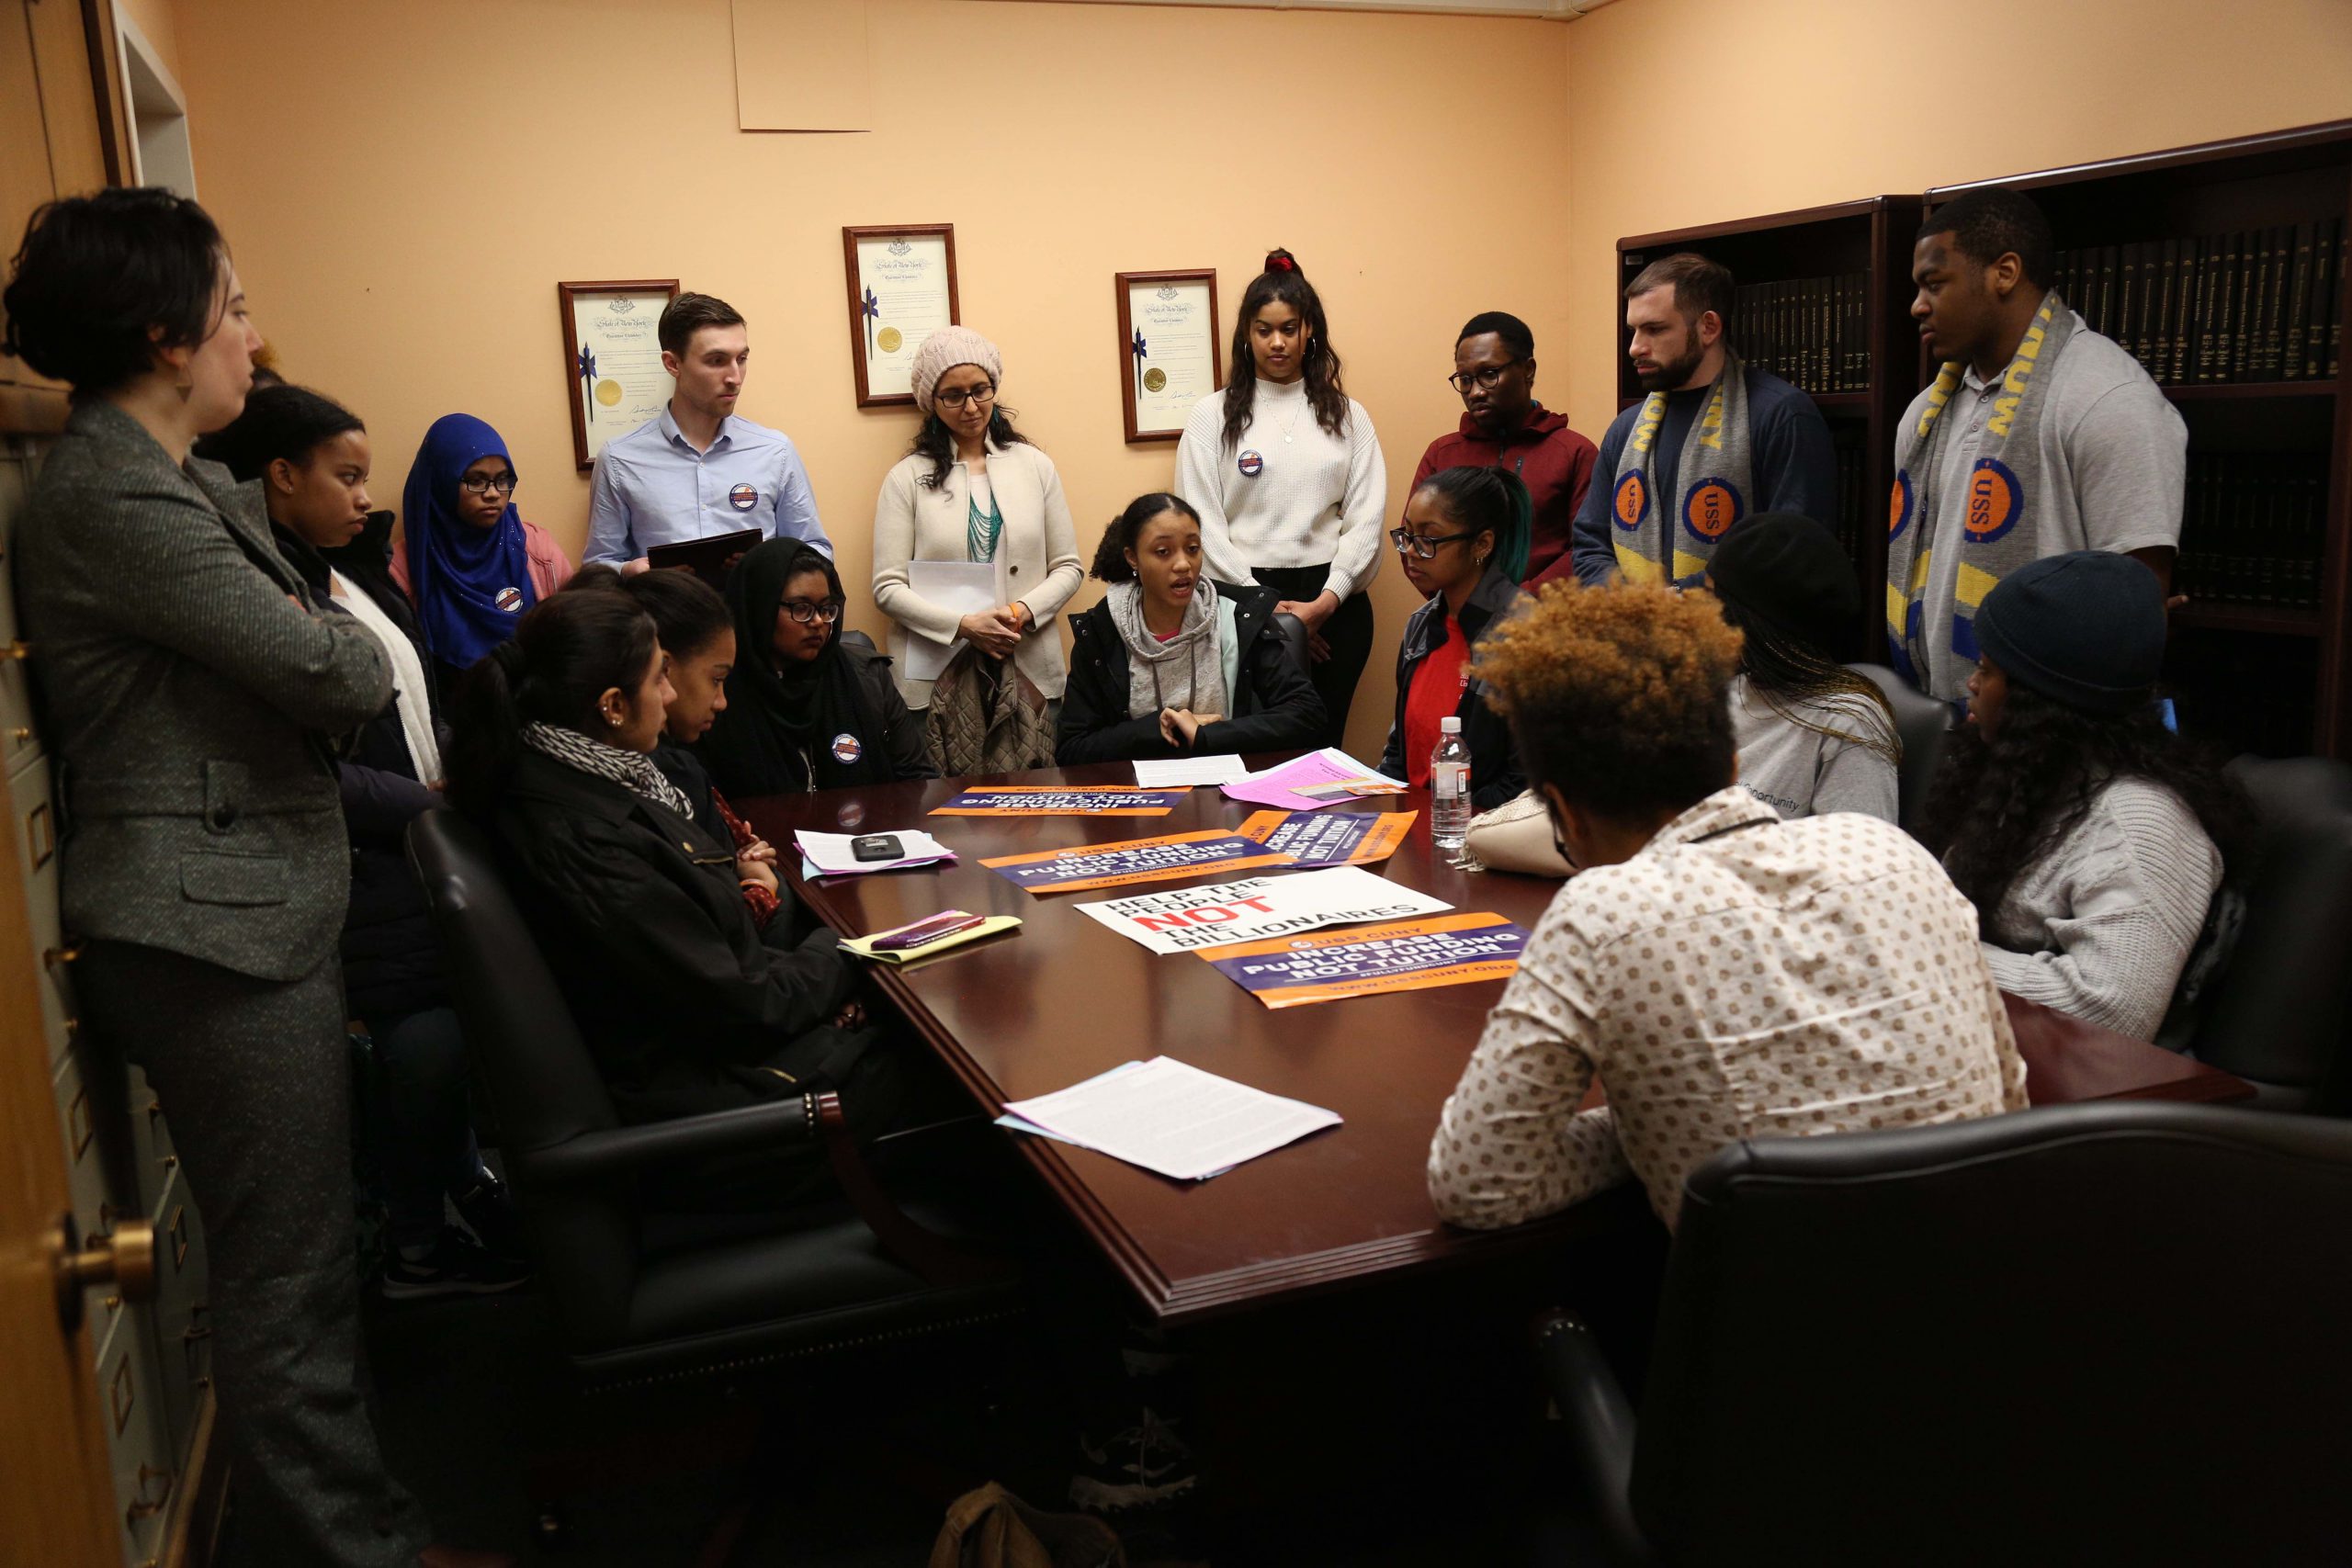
pixel 1274 706
pixel 391 964
pixel 1494 759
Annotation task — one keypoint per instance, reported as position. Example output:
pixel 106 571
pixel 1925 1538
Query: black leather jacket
pixel 1274 705
pixel 686 1004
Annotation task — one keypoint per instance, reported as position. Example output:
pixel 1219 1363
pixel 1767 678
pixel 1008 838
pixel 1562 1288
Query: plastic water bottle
pixel 1449 787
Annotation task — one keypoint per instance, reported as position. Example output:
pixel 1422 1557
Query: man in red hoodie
pixel 1505 428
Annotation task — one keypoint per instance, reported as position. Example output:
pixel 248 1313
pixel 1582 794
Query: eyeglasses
pixel 804 612
pixel 954 397
pixel 1486 379
pixel 1422 546
pixel 483 484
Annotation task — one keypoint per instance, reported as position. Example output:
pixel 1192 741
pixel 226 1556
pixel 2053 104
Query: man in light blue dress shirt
pixel 697 468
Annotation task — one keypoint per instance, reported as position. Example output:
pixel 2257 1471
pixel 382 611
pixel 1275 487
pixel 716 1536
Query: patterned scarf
pixel 2002 486
pixel 632 770
pixel 1185 671
pixel 1712 470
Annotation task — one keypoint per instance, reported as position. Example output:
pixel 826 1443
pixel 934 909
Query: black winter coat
pixel 392 962
pixel 1494 757
pixel 1274 705
pixel 687 1005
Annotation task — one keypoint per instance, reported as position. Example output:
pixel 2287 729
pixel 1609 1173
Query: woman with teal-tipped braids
pixel 1464 544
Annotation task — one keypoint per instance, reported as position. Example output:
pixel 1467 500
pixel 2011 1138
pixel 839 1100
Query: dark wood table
pixel 1064 998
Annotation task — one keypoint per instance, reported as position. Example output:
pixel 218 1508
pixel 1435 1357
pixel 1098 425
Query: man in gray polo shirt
pixel 698 468
pixel 2038 437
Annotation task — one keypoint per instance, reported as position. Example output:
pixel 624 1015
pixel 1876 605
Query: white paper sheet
pixel 1186 920
pixel 962 586
pixel 831 857
pixel 1172 1117
pixel 1170 772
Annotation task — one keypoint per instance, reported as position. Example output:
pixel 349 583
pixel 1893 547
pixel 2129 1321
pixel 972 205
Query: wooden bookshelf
pixel 2260 669
pixel 1868 242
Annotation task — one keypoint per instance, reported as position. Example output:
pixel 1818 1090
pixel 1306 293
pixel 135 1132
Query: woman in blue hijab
pixel 468 559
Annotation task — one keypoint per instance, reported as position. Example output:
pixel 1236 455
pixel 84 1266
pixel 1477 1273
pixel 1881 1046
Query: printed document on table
pixel 831 854
pixel 1172 1117
pixel 963 587
pixel 1259 908
pixel 1170 772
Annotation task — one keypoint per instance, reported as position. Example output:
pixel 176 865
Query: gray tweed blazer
pixel 189 685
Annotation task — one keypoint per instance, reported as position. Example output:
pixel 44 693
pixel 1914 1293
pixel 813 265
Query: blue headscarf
pixel 470 584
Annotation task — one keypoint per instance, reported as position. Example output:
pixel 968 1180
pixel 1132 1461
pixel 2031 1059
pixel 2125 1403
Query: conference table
pixel 1063 997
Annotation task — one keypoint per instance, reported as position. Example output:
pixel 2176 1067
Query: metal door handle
pixel 125 1258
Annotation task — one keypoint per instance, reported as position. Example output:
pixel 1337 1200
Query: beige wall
pixel 404 181
pixel 1686 112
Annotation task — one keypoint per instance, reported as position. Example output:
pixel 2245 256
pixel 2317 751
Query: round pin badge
pixel 1252 464
pixel 509 600
pixel 1629 502
pixel 847 748
pixel 1995 502
pixel 743 498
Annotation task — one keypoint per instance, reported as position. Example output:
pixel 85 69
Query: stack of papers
pixel 1319 779
pixel 829 854
pixel 1170 772
pixel 1166 1116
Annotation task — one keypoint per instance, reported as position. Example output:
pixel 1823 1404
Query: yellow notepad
pixel 864 945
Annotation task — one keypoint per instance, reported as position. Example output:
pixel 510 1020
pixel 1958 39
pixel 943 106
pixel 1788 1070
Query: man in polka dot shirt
pixel 1728 975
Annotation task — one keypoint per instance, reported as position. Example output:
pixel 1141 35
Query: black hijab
pixel 779 722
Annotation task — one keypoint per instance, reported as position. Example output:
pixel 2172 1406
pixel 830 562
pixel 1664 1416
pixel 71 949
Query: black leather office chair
pixel 638 1297
pixel 1294 637
pixel 2105 1333
pixel 2279 1015
pixel 1921 723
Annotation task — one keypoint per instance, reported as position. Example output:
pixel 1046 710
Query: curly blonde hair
pixel 1618 695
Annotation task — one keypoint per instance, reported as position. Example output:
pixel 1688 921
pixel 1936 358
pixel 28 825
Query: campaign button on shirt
pixel 1251 465
pixel 743 498
pixel 847 748
pixel 509 600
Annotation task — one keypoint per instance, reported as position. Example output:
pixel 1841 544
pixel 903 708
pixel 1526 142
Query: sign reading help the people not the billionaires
pixel 1258 907
pixel 1407 955
pixel 1129 861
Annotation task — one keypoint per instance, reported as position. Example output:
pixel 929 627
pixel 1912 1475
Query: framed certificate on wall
pixel 901 290
pixel 613 358
pixel 1168 353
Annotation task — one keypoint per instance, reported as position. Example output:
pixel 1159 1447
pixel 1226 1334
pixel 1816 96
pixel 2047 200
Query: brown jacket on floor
pixel 993 1529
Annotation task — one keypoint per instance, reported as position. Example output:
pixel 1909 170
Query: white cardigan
pixel 1038 551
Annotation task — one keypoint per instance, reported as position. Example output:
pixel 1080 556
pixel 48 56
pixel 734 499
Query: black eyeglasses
pixel 804 612
pixel 1485 378
pixel 1422 546
pixel 954 397
pixel 483 484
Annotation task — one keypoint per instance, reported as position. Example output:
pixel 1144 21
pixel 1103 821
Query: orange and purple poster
pixel 1134 859
pixel 1060 800
pixel 1407 955
pixel 1338 838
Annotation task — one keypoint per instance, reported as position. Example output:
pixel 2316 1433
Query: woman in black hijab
pixel 809 706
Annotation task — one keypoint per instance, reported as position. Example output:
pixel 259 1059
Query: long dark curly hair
pixel 1997 808
pixel 936 442
pixel 1283 283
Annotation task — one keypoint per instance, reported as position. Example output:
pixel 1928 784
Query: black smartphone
pixel 877 846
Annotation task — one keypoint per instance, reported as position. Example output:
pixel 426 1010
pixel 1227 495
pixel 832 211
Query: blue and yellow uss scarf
pixel 2003 484
pixel 1712 472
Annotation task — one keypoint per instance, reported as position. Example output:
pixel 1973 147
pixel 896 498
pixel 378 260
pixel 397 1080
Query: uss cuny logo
pixel 1630 501
pixel 1996 500
pixel 1711 508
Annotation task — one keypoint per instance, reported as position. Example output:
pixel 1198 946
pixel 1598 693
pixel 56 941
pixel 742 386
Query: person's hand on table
pixel 1181 727
pixel 994 632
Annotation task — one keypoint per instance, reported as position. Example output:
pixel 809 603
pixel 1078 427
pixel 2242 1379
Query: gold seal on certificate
pixel 613 358
pixel 1168 356
pixel 901 290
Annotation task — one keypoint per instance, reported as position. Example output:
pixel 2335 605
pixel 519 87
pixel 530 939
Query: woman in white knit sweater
pixel 1285 472
pixel 975 489
pixel 2090 838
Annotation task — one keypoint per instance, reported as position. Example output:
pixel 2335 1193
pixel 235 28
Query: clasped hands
pixel 995 632
pixel 1180 726
pixel 1312 613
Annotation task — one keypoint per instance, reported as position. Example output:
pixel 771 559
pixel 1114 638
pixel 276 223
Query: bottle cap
pixel 1450 725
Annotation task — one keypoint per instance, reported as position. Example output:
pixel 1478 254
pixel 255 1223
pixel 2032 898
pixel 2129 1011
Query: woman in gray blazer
pixel 191 688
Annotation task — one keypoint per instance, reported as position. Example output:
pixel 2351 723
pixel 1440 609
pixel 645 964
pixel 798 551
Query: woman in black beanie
pixel 2089 837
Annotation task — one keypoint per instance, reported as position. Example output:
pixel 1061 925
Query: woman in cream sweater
pixel 972 489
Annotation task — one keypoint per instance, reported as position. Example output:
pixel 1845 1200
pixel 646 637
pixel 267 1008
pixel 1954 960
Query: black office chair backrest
pixel 2279 1013
pixel 2106 1333
pixel 528 1054
pixel 1920 722
pixel 1294 637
